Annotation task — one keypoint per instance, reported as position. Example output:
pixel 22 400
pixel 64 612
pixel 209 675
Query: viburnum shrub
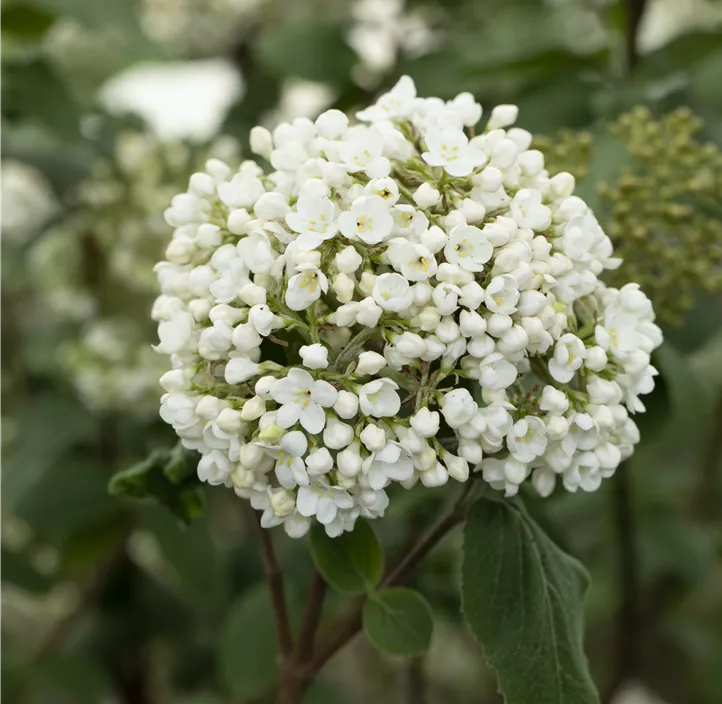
pixel 396 301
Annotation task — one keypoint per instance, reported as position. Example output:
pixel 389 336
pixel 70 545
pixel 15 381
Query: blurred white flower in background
pixel 178 100
pixel 28 201
pixel 384 30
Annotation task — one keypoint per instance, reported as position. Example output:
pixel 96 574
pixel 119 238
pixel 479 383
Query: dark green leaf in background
pixel 25 20
pixel 168 476
pixel 353 562
pixel 398 622
pixel 523 599
pixel 247 649
pixel 314 51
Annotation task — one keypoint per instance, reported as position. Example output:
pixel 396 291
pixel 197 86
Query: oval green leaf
pixel 522 598
pixel 352 563
pixel 247 649
pixel 398 622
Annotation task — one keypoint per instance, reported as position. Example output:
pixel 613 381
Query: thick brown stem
pixel 274 579
pixel 311 619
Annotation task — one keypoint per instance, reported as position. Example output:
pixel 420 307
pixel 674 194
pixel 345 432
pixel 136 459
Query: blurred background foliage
pixel 107 107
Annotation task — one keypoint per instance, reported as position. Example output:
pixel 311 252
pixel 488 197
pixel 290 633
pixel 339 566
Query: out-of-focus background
pixel 107 107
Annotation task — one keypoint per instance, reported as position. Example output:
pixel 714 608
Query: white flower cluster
pixel 397 301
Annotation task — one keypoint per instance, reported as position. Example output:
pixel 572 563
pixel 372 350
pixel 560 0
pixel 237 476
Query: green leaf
pixel 523 598
pixel 26 21
pixel 169 477
pixel 247 650
pixel 352 563
pixel 398 622
pixel 314 51
pixel 33 91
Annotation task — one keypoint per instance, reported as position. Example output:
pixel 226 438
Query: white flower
pixel 263 320
pixel 369 220
pixel 174 334
pixel 389 463
pixel 314 220
pixel 502 294
pixel 458 407
pixel 568 357
pixel 314 356
pixel 392 292
pixel 302 400
pixel 261 142
pixel 349 460
pixel 305 287
pixel 348 260
pixel 426 196
pixel 337 434
pixel 319 462
pixel 379 398
pixel 553 401
pixel 496 373
pixel 373 437
pixel 368 313
pixel 323 501
pixel 528 211
pixel 361 150
pixel 425 422
pixel 446 298
pixel 413 260
pixel 468 248
pixel 346 405
pixel 505 475
pixel 370 363
pixel 467 108
pixel 450 148
pixel 398 102
pixel 240 369
pixel 332 124
pixel 410 345
pixel 242 191
pixel 527 439
pixel 290 467
pixel 502 116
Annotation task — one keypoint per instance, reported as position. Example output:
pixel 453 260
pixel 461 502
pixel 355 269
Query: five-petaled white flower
pixel 369 220
pixel 303 399
pixel 527 439
pixel 391 462
pixel 379 398
pixel 568 357
pixel 413 260
pixel 450 148
pixel 323 501
pixel 468 247
pixel 305 287
pixel 502 294
pixel 314 220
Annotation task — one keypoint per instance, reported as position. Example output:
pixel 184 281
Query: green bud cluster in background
pixel 659 200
